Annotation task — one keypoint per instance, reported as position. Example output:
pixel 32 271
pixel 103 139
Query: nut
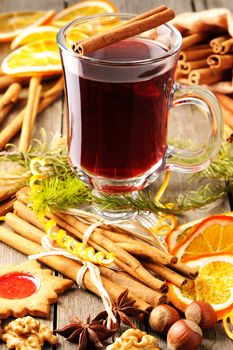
pixel 183 335
pixel 26 334
pixel 134 339
pixel 201 313
pixel 162 317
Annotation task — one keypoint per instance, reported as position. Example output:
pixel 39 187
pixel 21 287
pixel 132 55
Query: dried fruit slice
pixel 39 57
pixel 13 23
pixel 83 8
pixel 34 34
pixel 212 235
pixel 214 284
pixel 178 236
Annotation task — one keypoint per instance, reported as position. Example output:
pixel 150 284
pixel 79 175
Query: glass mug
pixel 118 100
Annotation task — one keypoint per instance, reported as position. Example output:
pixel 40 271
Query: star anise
pixel 123 309
pixel 91 333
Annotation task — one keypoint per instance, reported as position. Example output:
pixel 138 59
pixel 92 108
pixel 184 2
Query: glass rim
pixel 169 53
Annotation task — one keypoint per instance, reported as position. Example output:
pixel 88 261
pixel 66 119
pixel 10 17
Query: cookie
pixel 27 289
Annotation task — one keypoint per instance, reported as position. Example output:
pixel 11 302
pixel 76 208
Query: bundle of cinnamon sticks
pixel 205 60
pixel 145 278
pixel 37 101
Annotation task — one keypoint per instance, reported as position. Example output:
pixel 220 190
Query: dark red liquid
pixel 118 115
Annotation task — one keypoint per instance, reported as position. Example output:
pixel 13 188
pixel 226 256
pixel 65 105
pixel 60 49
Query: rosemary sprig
pixel 204 195
pixel 221 168
pixel 140 202
pixel 59 192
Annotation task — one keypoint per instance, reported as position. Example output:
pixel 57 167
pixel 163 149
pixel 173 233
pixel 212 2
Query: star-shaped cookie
pixel 27 289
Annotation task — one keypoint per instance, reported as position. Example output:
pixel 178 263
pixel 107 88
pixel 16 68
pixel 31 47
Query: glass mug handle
pixel 193 161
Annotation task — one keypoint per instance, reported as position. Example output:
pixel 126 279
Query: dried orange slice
pixel 39 57
pixel 34 34
pixel 83 8
pixel 13 23
pixel 212 235
pixel 214 284
pixel 180 235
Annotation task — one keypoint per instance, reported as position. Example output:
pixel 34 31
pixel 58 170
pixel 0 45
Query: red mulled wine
pixel 117 109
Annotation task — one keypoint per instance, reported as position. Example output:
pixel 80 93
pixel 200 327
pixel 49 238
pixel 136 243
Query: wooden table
pixel 77 301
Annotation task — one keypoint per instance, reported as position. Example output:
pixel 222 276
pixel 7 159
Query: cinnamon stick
pixel 127 30
pixel 195 53
pixel 185 270
pixel 6 192
pixel 193 39
pixel 57 87
pixel 206 76
pixel 135 266
pixel 167 274
pixel 220 61
pixel 151 296
pixel 8 100
pixel 151 252
pixel 6 206
pixel 30 113
pixel 216 43
pixel 161 285
pixel 226 46
pixel 222 45
pixel 14 127
pixel 187 67
pixel 28 231
pixel 65 266
pixel 158 254
pixel 6 81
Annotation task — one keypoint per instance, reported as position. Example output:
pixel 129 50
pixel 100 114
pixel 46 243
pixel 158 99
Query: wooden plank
pixel 49 119
pixel 83 303
pixel 138 6
pixel 208 4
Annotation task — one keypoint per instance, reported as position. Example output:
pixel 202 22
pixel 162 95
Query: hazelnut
pixel 184 335
pixel 201 313
pixel 162 318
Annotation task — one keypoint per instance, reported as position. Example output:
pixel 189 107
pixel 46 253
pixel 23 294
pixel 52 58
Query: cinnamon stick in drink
pixel 220 61
pixel 139 25
pixel 195 53
pixel 8 100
